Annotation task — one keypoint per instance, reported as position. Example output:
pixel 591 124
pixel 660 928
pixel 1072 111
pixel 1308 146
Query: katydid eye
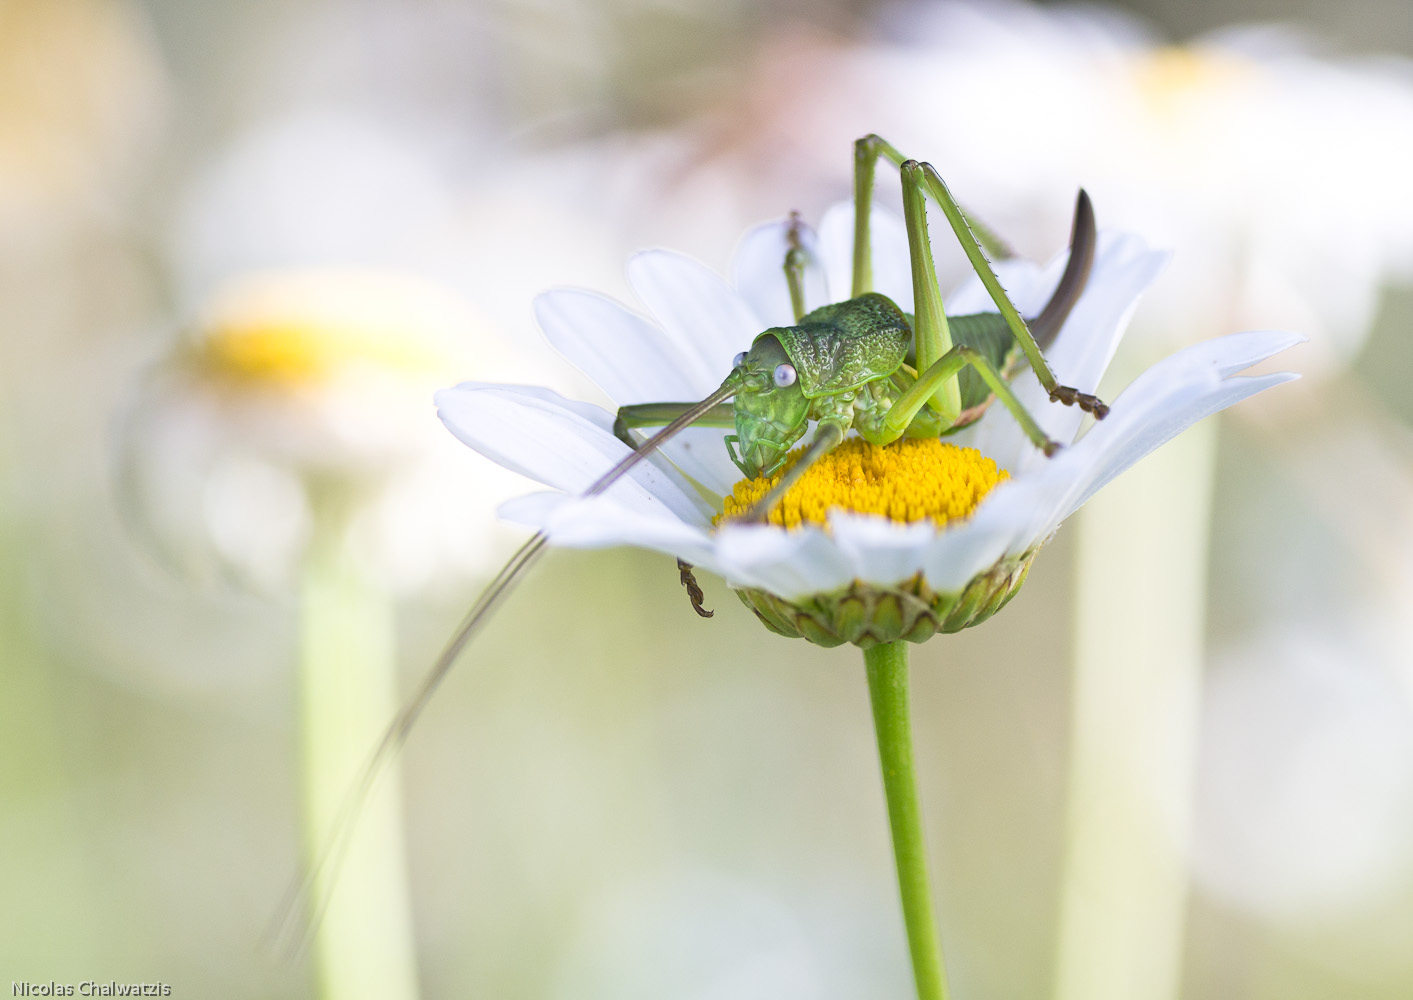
pixel 784 375
pixel 739 360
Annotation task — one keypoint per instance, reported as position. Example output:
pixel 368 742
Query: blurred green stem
pixel 53 896
pixel 1141 577
pixel 887 667
pixel 363 941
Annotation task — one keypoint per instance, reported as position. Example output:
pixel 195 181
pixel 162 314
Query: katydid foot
pixel 694 589
pixel 1086 402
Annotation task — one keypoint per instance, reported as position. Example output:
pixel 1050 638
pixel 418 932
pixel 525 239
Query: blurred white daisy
pixel 945 575
pixel 729 941
pixel 289 442
pixel 298 381
pixel 1306 804
pixel 1274 171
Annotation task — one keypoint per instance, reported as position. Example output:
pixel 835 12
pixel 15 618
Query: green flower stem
pixel 887 666
pixel 363 945
pixel 1140 583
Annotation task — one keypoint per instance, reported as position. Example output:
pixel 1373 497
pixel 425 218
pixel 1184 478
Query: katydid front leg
pixel 827 436
pixel 658 414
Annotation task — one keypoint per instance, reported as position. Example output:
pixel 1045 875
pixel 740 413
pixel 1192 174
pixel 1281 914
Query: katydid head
pixel 771 408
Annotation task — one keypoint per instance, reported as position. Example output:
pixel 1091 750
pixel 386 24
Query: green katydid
pixel 843 366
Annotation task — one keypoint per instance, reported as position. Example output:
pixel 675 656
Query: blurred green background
pixel 612 798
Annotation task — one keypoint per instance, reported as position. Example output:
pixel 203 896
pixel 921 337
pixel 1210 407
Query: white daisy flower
pixel 914 578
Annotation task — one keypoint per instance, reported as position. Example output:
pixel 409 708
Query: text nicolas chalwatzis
pixel 90 989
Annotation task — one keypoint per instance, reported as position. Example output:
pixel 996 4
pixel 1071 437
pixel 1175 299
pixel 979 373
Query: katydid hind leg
pixel 1001 389
pixel 866 153
pixel 1057 392
pixel 906 408
pixel 865 167
pixel 867 150
pixel 932 337
pixel 990 241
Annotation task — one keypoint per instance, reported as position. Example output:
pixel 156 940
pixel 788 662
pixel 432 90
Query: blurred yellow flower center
pixel 1171 76
pixel 908 480
pixel 301 327
pixel 305 351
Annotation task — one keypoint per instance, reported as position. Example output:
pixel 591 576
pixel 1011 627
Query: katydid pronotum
pixel 862 364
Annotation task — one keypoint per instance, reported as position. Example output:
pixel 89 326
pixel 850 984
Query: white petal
pixel 1123 269
pixel 645 367
pixel 1237 352
pixel 701 453
pixel 892 269
pixel 602 522
pixel 627 357
pixel 595 415
pixel 961 551
pixel 561 444
pixel 1165 400
pixel 787 563
pixel 1161 403
pixel 533 509
pixel 881 551
pixel 705 318
pixel 633 361
pixel 1026 285
pixel 758 271
pixel 1123 451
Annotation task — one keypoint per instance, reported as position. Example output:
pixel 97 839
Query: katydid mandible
pixel 862 364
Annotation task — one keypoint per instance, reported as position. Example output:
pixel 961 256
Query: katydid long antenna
pixel 311 890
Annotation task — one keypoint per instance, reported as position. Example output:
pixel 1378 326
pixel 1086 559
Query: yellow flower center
pixel 909 480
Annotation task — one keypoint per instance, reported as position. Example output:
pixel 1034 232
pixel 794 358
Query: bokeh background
pixel 612 798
